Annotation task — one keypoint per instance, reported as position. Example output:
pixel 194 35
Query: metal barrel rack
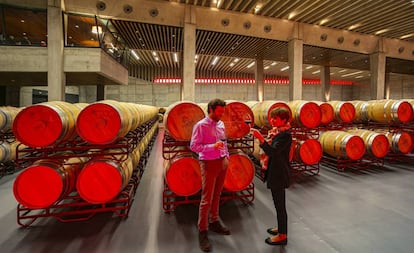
pixel 299 169
pixel 171 148
pixel 72 207
pixel 170 200
pixel 342 164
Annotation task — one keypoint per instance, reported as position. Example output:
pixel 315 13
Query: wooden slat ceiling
pixel 388 18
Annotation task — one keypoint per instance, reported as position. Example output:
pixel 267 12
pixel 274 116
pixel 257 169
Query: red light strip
pixel 283 81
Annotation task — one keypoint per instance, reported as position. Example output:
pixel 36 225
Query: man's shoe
pixel 219 228
pixel 203 241
pixel 280 239
pixel 272 231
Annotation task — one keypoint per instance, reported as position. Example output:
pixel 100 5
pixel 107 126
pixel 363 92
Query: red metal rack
pixel 72 208
pixel 170 200
pixel 301 169
pixel 171 148
pixel 342 164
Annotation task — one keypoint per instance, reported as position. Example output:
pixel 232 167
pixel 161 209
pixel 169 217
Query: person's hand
pixel 219 145
pixel 256 133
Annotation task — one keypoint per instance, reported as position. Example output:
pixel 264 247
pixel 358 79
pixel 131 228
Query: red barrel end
pixel 184 176
pixel 99 123
pixel 99 181
pixel 240 172
pixel 355 148
pixel 37 126
pixel 380 146
pixel 38 186
pixel 310 152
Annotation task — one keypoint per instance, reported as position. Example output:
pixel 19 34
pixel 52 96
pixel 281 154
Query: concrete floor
pixel 351 211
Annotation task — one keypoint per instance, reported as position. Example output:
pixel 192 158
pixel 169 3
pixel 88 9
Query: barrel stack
pixel 87 151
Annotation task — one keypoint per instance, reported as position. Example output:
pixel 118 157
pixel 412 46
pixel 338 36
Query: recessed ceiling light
pixel 215 60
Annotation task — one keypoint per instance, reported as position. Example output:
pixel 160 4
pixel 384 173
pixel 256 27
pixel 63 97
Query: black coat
pixel 278 169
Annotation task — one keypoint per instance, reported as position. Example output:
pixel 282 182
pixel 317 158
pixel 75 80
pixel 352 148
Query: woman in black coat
pixel 278 169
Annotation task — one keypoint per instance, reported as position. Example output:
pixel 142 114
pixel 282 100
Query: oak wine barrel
pixel 344 111
pixel 261 110
pixel 237 119
pixel 327 112
pixel 305 113
pixel 46 124
pixel 342 144
pixel 183 174
pixel 308 151
pixel 103 178
pixel 46 181
pixel 386 111
pixel 240 172
pixel 180 118
pixel 376 144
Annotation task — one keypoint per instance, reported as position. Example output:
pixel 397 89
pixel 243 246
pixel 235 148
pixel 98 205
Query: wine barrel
pixel 386 111
pixel 261 111
pixel 180 118
pixel 361 111
pixel 401 142
pixel 327 112
pixel 305 114
pixel 46 124
pixel 106 121
pixel 45 182
pixel 240 172
pixel 342 144
pixel 237 119
pixel 344 111
pixel 103 178
pixel 308 151
pixel 5 152
pixel 183 174
pixel 376 144
pixel 7 116
pixel 8 150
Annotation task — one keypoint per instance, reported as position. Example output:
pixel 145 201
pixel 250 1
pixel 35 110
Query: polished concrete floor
pixel 351 211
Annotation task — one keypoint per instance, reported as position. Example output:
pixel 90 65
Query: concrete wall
pixel 399 87
pixel 26 93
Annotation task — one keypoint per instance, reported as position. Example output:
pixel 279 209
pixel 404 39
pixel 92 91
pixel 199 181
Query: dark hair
pixel 281 112
pixel 214 103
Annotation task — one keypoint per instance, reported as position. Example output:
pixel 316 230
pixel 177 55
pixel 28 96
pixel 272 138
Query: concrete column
pixel 377 65
pixel 188 85
pixel 55 76
pixel 295 55
pixel 325 82
pixel 259 79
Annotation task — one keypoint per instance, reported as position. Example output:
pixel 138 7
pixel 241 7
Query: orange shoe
pixel 280 239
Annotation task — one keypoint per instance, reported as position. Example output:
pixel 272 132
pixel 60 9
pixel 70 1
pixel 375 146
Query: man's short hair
pixel 214 103
pixel 281 112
